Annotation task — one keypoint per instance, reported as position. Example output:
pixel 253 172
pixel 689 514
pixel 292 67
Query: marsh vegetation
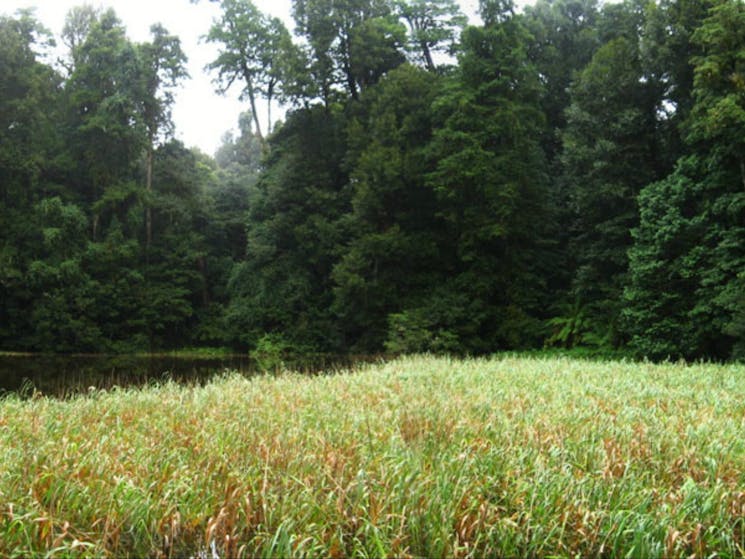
pixel 421 456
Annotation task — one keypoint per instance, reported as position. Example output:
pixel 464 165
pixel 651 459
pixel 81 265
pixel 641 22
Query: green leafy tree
pixel 666 49
pixel 284 285
pixel 718 116
pixel 491 180
pixel 79 21
pixel 392 258
pixel 107 134
pixel 565 39
pixel 239 162
pixel 253 48
pixel 163 66
pixel 662 277
pixel 63 309
pixel 434 27
pixel 699 212
pixel 610 152
pixel 30 141
pixel 352 43
pixel 175 276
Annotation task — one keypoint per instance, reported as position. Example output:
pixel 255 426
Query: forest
pixel 569 175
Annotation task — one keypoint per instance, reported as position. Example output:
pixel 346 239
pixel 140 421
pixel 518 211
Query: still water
pixel 60 375
pixel 64 375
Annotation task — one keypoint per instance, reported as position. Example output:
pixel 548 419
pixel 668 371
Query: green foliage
pixel 686 291
pixel 392 254
pixel 255 48
pixel 565 39
pixel 733 299
pixel 571 176
pixel 270 352
pixel 103 99
pixel 292 236
pixel 609 155
pixel 719 80
pixel 663 271
pixel 572 329
pixel 416 332
pixel 352 42
pixel 490 179
pixel 163 67
pixel 434 26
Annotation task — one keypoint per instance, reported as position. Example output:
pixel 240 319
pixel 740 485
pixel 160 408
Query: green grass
pixel 419 457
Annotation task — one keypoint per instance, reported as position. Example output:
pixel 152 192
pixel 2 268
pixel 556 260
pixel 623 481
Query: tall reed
pixel 420 457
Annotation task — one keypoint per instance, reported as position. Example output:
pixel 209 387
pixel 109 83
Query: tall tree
pixel 434 26
pixel 103 96
pixel 666 49
pixel 163 66
pixel 352 42
pixel 491 178
pixel 392 259
pixel 78 23
pixel 565 39
pixel 29 145
pixel 692 229
pixel 284 285
pixel 254 47
pixel 610 152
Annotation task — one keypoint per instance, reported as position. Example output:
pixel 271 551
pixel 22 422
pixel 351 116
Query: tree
pixel 284 284
pixel 29 144
pixel 491 181
pixel 253 49
pixel 352 42
pixel 565 39
pixel 610 153
pixel 103 95
pixel 62 312
pixel 239 166
pixel 666 50
pixel 434 26
pixel 175 286
pixel 718 116
pixel 662 274
pixel 78 24
pixel 392 258
pixel 699 211
pixel 162 68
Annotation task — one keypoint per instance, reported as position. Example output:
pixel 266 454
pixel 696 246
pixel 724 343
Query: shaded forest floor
pixel 421 456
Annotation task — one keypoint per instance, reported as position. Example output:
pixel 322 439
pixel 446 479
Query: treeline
pixel 572 176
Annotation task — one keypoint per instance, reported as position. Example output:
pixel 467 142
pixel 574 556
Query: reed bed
pixel 418 457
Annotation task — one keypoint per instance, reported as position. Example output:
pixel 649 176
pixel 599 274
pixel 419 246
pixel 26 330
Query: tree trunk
pixel 427 56
pixel 269 95
pixel 149 190
pixel 742 172
pixel 347 58
pixel 205 290
pixel 252 100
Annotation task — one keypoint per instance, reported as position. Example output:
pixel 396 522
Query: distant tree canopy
pixel 571 175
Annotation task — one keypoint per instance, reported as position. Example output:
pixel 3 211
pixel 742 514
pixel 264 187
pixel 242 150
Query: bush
pixel 414 332
pixel 270 352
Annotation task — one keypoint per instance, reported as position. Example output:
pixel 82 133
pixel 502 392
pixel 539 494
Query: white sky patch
pixel 201 116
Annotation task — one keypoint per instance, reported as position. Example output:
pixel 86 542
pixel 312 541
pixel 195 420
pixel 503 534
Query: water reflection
pixel 61 375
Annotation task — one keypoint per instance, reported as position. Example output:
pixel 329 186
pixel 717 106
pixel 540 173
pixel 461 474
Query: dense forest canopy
pixel 572 175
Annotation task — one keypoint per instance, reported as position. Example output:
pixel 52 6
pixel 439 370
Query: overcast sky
pixel 201 115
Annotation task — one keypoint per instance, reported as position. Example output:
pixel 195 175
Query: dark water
pixel 64 375
pixel 60 375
